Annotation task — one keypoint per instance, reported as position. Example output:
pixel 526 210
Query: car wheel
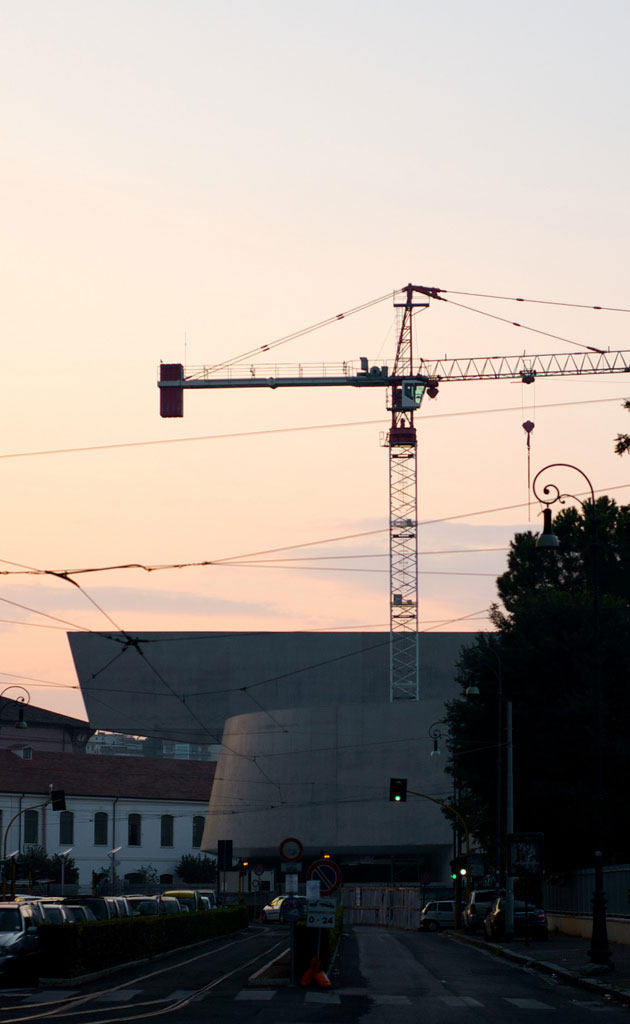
pixel 263 917
pixel 432 926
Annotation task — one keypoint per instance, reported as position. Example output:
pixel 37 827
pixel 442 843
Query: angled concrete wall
pixel 183 686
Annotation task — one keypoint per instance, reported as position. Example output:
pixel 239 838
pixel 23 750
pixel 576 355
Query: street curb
pixel 617 992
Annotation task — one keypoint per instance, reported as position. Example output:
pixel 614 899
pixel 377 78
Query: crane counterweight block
pixel 172 398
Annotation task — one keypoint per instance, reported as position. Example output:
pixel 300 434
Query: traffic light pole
pixel 455 812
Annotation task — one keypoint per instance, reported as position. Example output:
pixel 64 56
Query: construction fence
pixel 387 907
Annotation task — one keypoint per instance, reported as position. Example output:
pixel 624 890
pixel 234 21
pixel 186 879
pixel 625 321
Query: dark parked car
pixel 528 920
pixel 19 940
pixel 102 907
pixel 479 903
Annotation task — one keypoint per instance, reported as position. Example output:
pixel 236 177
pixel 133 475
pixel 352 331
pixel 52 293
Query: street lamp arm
pixel 554 490
pixel 33 807
pixel 21 699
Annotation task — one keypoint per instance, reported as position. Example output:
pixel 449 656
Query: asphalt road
pixel 381 977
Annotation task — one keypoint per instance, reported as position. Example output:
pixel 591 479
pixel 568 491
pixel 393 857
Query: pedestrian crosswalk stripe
pixel 332 998
pixel 256 994
pixel 529 1004
pixel 119 995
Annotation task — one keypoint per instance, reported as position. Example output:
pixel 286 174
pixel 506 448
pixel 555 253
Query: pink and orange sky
pixel 186 181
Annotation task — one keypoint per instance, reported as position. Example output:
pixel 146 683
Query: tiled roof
pixel 149 778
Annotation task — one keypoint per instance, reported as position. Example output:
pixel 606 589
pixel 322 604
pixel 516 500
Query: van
pixel 189 899
pixel 437 914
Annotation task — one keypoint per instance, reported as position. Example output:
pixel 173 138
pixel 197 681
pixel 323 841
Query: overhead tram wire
pixel 236 559
pixel 236 435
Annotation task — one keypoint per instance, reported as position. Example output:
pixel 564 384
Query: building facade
pixel 122 814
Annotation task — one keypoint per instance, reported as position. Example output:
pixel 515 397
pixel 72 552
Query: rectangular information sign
pixel 321 914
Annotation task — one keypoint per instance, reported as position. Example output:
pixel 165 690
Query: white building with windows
pixel 149 810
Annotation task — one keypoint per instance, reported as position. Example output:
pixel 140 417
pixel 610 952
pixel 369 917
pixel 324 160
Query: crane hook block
pixel 171 398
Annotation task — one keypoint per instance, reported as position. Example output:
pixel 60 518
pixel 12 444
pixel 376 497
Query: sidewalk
pixel 566 958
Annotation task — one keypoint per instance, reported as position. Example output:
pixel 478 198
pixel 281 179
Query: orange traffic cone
pixel 309 973
pixel 321 978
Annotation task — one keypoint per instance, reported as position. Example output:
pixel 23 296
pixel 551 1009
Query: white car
pixel 272 911
pixel 285 908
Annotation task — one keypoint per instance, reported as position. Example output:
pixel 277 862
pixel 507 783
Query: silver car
pixel 437 914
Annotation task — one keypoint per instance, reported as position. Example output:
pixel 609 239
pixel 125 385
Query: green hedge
pixel 70 950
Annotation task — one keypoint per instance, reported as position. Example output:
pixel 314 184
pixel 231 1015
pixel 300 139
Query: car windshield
pixel 143 907
pixel 10 919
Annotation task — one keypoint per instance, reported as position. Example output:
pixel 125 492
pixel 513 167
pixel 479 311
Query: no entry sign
pixel 327 873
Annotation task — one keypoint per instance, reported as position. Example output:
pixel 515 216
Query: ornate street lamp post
pixel 23 698
pixel 551 493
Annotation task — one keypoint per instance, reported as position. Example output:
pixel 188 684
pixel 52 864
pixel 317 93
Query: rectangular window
pixel 66 828
pixel 100 828
pixel 166 830
pixel 197 830
pixel 134 834
pixel 31 827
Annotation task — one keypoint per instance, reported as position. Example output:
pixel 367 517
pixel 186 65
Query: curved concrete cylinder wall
pixel 322 776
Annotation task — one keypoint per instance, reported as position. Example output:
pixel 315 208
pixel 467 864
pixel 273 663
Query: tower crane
pixel 408 382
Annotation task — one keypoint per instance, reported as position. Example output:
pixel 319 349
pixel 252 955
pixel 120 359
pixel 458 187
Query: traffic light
pixel 397 790
pixel 243 868
pixel 459 867
pixel 224 854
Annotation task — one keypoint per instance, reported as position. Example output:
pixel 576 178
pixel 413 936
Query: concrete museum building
pixel 309 738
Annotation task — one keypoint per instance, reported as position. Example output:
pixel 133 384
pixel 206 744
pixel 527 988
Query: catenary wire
pixel 292 430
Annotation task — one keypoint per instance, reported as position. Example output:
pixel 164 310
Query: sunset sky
pixel 187 181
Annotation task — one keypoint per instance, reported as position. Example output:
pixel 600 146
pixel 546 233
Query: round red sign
pixel 291 849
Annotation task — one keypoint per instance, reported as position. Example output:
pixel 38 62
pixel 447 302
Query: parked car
pixel 144 906
pixel 528 920
pixel 284 908
pixel 78 912
pixel 121 906
pixel 479 903
pixel 19 939
pixel 188 898
pixel 437 914
pixel 55 913
pixel 101 906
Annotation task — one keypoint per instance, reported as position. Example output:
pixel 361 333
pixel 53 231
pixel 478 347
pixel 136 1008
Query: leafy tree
pixel 192 869
pixel 622 443
pixel 35 863
pixel 556 650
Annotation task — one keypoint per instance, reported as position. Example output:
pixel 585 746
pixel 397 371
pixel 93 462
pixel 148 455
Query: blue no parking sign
pixel 327 873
